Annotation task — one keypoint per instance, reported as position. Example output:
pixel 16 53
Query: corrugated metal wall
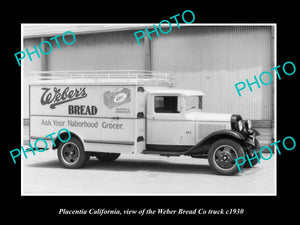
pixel 34 65
pixel 212 59
pixel 207 58
pixel 100 51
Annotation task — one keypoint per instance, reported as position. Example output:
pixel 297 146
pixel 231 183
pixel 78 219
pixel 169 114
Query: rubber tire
pixel 83 155
pixel 235 145
pixel 107 157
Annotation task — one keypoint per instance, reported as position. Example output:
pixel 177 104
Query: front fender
pixel 211 138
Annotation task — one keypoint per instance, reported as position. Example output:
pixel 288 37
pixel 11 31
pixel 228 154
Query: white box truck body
pixel 109 113
pixel 106 112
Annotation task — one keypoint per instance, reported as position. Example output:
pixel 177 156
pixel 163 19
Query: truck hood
pixel 209 117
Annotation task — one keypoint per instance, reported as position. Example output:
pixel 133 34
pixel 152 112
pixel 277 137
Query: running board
pixel 162 153
pixel 167 150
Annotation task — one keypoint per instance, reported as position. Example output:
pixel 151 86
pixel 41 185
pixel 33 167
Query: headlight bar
pixel 235 122
pixel 248 124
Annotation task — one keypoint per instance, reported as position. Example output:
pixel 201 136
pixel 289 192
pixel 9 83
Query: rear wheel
pixel 71 154
pixel 222 155
pixel 107 157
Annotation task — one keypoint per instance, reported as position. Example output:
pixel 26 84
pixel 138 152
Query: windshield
pixel 193 102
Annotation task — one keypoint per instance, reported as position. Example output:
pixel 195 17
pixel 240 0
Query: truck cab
pixel 177 125
pixel 171 118
pixel 136 112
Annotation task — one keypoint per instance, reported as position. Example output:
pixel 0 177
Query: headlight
pixel 248 124
pixel 240 125
pixel 236 122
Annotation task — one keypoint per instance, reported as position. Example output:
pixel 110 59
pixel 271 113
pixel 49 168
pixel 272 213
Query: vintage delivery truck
pixel 109 113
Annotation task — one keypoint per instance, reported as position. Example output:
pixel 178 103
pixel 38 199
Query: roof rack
pixel 103 76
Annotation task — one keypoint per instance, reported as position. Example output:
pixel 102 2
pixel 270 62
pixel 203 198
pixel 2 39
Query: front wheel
pixel 222 155
pixel 71 154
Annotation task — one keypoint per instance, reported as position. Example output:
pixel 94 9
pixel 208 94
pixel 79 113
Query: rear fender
pixel 64 135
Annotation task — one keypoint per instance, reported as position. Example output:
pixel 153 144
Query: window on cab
pixel 166 104
pixel 193 102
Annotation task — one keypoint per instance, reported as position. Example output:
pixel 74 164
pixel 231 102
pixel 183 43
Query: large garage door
pixel 99 51
pixel 213 58
pixel 93 51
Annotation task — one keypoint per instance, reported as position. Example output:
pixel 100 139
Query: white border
pixel 22 109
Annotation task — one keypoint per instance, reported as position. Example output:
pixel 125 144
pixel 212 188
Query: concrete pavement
pixel 42 174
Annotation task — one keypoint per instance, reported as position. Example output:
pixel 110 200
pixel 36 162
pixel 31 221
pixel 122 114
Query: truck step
pixel 162 153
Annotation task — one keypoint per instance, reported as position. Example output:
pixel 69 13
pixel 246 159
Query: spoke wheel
pixel 71 154
pixel 225 156
pixel 222 155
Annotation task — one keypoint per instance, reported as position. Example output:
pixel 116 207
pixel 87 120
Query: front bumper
pixel 251 139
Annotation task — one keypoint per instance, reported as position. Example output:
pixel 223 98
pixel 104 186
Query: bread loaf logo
pixel 116 97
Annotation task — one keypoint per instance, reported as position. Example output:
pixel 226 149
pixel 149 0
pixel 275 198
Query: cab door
pixel 167 126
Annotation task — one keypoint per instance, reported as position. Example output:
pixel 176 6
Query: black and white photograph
pixel 158 112
pixel 148 109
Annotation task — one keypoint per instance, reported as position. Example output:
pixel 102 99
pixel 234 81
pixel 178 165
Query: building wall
pixel 102 51
pixel 207 58
pixel 99 51
pixel 27 67
pixel 213 59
